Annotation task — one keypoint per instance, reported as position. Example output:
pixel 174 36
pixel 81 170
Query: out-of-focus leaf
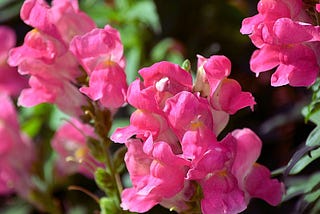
pixel 301 185
pixel 133 62
pixel 78 210
pixel 119 122
pixel 57 118
pixel 9 9
pixel 18 207
pixel 312 111
pixel 305 161
pixel 304 156
pixel 314 137
pixel 32 126
pixel 165 50
pixel 108 206
pixel 146 12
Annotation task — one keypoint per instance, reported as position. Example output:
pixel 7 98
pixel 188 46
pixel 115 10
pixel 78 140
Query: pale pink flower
pixel 70 143
pixel 11 82
pixel 271 31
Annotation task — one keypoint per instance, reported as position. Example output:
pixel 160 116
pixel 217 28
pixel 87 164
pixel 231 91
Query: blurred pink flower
pixel 271 31
pixel 11 82
pixel 70 143
pixel 16 152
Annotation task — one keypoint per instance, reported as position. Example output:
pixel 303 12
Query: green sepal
pixel 96 149
pixel 118 159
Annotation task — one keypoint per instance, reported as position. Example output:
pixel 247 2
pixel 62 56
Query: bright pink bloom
pixel 254 179
pixel 70 142
pixel 161 81
pixel 10 82
pixel 224 94
pixel 156 174
pixel 100 52
pixel 45 55
pixel 186 111
pixel 229 176
pixel 271 31
pixel 16 152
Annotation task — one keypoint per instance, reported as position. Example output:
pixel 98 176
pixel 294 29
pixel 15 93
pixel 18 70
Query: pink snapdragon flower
pixel 45 55
pixel 230 177
pixel 271 31
pixel 156 174
pixel 16 152
pixel 70 143
pixel 183 121
pixel 100 52
pixel 11 82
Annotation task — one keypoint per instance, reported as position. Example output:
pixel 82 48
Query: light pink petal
pixel 248 24
pixel 131 200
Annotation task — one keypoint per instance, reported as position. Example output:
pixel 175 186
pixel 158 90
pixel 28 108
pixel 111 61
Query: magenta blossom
pixel 156 174
pixel 70 142
pixel 100 52
pixel 183 121
pixel 271 31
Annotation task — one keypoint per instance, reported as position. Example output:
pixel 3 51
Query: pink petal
pixel 259 185
pixel 264 59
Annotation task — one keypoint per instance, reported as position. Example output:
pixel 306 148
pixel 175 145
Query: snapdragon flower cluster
pixel 175 155
pixel 54 50
pixel 173 150
pixel 288 39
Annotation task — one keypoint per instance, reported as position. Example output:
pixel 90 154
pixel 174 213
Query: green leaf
pixel 104 181
pixel 301 185
pixel 304 156
pixel 305 161
pixel 145 11
pixel 314 137
pixel 108 206
pixel 96 149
